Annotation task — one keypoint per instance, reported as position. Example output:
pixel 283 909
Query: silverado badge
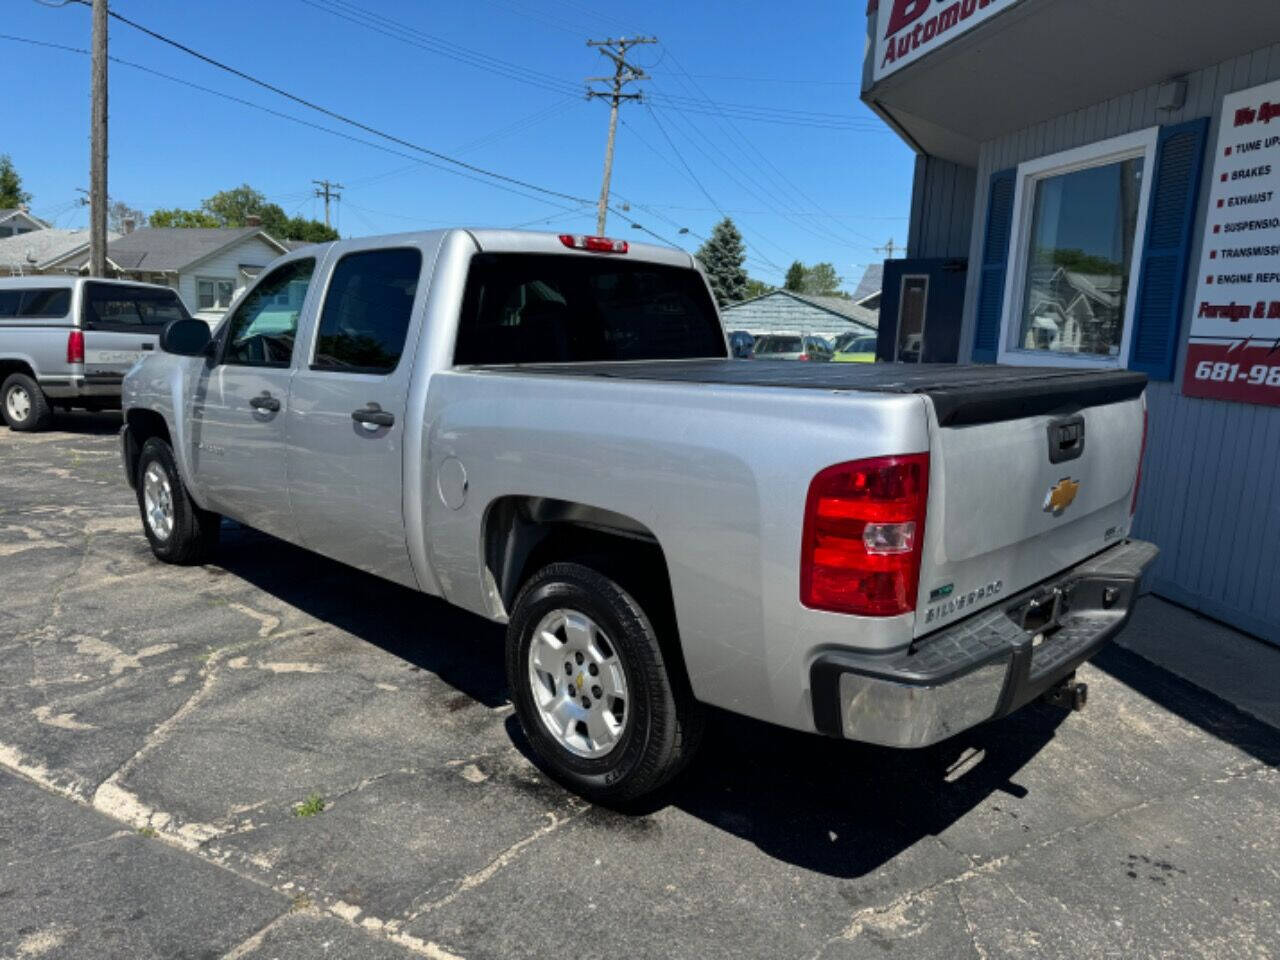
pixel 1061 495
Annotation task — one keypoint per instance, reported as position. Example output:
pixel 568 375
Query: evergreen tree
pixel 796 275
pixel 11 193
pixel 722 257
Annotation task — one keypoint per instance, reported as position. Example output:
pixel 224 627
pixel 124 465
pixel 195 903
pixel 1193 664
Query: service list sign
pixel 1234 347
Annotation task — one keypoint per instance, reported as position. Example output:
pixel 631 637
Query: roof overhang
pixel 1039 59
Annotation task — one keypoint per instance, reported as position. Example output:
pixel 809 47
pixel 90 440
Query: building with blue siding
pixel 1097 185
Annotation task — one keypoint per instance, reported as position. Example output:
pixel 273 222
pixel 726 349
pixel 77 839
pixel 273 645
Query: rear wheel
pixel 24 404
pixel 178 531
pixel 590 684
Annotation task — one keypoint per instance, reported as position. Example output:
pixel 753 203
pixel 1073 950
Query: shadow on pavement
pixel 421 630
pixel 835 807
pixel 1212 714
pixel 84 423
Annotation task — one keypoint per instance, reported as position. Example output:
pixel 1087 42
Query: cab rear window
pixel 113 306
pixel 544 308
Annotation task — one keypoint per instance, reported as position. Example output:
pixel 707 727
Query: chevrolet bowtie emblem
pixel 1060 496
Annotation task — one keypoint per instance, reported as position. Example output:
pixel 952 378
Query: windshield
pixel 545 308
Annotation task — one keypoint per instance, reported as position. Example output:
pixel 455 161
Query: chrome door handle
pixel 373 414
pixel 265 401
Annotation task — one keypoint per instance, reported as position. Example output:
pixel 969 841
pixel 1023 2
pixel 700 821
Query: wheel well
pixel 524 534
pixel 143 425
pixel 15 366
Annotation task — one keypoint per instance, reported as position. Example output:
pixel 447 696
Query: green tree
pixel 821 279
pixel 177 217
pixel 722 257
pixel 11 192
pixel 795 277
pixel 233 207
pixel 757 288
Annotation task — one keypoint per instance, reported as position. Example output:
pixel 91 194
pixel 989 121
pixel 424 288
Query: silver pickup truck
pixel 68 341
pixel 548 431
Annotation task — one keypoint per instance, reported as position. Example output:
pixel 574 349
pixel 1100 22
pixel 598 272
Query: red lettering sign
pixel 905 13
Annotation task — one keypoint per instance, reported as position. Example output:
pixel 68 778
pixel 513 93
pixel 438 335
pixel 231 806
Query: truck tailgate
pixel 1015 501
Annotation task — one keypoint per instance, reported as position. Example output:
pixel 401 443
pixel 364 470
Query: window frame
pixel 215 281
pixel 1130 146
pixel 331 271
pixel 924 319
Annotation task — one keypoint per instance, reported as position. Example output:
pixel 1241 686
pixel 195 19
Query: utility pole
pixel 326 189
pixel 624 73
pixel 887 249
pixel 98 145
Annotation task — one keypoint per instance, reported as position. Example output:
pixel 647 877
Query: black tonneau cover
pixel 961 394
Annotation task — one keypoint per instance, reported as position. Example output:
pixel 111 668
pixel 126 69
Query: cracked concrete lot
pixel 159 728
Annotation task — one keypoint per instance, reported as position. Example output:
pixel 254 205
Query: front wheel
pixel 178 531
pixel 593 691
pixel 24 405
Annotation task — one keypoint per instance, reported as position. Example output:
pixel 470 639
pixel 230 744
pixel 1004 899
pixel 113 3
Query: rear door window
pixel 546 308
pixel 367 310
pixel 125 309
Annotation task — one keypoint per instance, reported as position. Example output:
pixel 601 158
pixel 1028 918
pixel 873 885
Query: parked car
pixel 776 346
pixel 740 344
pixel 854 348
pixel 549 432
pixel 67 342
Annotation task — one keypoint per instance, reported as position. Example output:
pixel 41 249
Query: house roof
pixel 11 212
pixel 43 247
pixel 839 311
pixel 871 282
pixel 174 249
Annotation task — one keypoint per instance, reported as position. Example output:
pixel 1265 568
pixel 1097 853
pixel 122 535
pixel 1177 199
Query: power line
pixel 310 105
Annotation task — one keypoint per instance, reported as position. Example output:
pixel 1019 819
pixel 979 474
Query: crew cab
pixel 548 431
pixel 68 341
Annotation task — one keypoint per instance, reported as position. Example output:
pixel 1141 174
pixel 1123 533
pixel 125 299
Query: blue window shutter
pixel 995 266
pixel 1166 258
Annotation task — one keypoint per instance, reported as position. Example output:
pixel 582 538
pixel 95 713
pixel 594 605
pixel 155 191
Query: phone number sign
pixel 1234 348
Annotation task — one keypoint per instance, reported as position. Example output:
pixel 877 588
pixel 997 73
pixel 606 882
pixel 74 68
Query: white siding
pixel 253 251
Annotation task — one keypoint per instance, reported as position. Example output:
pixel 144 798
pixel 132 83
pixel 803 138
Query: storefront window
pixel 1081 246
pixel 1076 254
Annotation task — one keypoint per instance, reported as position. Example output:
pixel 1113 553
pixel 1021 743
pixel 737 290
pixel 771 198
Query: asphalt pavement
pixel 275 756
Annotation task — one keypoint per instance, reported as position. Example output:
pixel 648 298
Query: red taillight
pixel 1137 481
pixel 75 346
pixel 577 241
pixel 803 356
pixel 863 534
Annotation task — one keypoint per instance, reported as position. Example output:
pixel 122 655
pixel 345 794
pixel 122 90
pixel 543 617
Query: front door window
pixel 262 330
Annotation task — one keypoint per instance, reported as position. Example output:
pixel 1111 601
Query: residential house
pixel 868 292
pixel 207 266
pixel 39 251
pixel 784 311
pixel 19 220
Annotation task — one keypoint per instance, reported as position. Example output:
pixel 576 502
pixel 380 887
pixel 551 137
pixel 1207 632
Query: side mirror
pixel 186 338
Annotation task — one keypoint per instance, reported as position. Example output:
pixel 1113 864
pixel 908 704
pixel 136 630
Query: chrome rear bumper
pixel 984 666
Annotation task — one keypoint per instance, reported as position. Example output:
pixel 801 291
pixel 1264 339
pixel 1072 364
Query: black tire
pixel 662 723
pixel 39 414
pixel 195 532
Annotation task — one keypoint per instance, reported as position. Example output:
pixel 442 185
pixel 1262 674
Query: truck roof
pixel 489 240
pixel 44 281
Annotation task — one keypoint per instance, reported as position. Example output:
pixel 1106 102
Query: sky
pixel 751 109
